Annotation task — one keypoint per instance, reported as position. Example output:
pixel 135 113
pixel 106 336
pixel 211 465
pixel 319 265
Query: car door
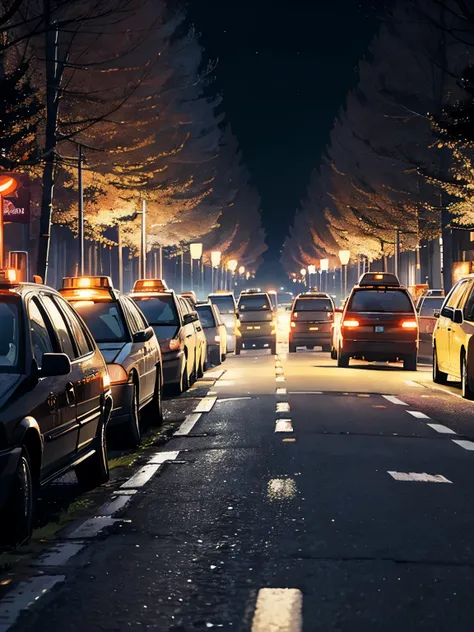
pixel 90 365
pixel 48 412
pixel 444 327
pixel 66 435
pixel 150 356
pixel 189 335
pixel 459 334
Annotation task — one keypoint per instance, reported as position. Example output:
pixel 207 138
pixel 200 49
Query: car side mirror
pixel 436 313
pixel 458 316
pixel 55 364
pixel 188 319
pixel 338 310
pixel 143 336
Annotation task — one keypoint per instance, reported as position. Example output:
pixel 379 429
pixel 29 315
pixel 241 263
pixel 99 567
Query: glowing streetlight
pixel 232 265
pixel 242 270
pixel 303 272
pixel 324 264
pixel 344 257
pixel 312 269
pixel 195 251
pixel 216 258
pixel 8 185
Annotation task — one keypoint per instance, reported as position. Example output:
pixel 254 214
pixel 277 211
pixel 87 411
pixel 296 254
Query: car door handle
pixel 189 336
pixel 70 394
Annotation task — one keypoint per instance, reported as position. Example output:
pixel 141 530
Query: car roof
pixel 304 295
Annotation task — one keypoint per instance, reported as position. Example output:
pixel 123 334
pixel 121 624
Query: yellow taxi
pixel 453 348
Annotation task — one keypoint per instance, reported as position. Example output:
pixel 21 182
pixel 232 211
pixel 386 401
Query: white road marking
pixel 279 378
pixel 419 477
pixel 442 429
pixel 445 390
pixel 394 400
pixel 141 477
pixel 279 371
pixel 467 445
pixel 281 391
pixel 231 399
pixel 411 383
pixel 114 505
pixel 205 405
pixel 91 527
pixel 283 425
pixel 282 407
pixel 23 596
pixel 187 425
pixel 306 393
pixel 278 610
pixel 60 553
pixel 162 457
pixel 417 414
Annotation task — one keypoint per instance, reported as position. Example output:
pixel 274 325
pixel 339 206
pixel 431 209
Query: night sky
pixel 284 70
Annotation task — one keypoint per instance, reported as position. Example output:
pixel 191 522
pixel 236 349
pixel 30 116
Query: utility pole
pixel 120 258
pixel 143 242
pixel 80 231
pixel 397 251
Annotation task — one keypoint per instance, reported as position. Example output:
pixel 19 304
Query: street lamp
pixel 311 270
pixel 324 267
pixel 215 263
pixel 344 257
pixel 303 274
pixel 195 252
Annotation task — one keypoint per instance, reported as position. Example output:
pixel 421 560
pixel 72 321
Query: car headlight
pixel 117 374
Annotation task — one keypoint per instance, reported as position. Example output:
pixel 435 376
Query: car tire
pixel 153 412
pixel 438 376
pixel 201 367
pixel 326 348
pixel 333 353
pixel 223 357
pixel 410 362
pixel 238 348
pixel 17 514
pixel 292 348
pixel 130 433
pixel 273 347
pixel 467 391
pixel 342 359
pixel 94 471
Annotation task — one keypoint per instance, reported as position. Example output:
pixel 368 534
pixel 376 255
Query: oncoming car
pixel 258 325
pixel 130 348
pixel 379 323
pixel 55 401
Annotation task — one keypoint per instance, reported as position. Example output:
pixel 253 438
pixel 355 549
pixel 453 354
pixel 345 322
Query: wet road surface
pixel 298 496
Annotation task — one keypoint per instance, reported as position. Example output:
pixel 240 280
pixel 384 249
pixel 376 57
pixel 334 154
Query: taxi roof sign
pixel 8 276
pixel 379 278
pixel 89 282
pixel 150 285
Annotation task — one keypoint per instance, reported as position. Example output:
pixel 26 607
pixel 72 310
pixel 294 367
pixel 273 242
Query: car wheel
pixel 129 432
pixel 467 392
pixel 438 376
pixel 342 359
pixel 273 347
pixel 201 367
pixel 410 362
pixel 17 515
pixel 153 412
pixel 238 348
pixel 326 348
pixel 333 353
pixel 292 348
pixel 94 471
pixel 223 357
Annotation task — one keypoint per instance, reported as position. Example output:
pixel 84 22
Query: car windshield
pixel 158 310
pixel 273 298
pixel 430 304
pixel 284 298
pixel 254 302
pixel 104 319
pixel 224 303
pixel 380 300
pixel 206 316
pixel 9 337
pixel 313 305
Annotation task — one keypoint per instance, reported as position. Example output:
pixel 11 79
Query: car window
pixel 456 294
pixel 79 334
pixel 104 320
pixel 184 306
pixel 254 302
pixel 140 317
pixel 224 303
pixel 380 300
pixel 134 318
pixel 9 336
pixel 40 339
pixel 313 305
pixel 468 310
pixel 430 304
pixel 206 316
pixel 158 310
pixel 60 326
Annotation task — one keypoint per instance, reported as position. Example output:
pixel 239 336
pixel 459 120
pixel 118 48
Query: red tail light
pixel 350 324
pixel 410 324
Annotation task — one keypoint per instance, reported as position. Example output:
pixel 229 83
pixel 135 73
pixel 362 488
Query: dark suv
pixel 379 323
pixel 311 321
pixel 55 401
pixel 258 326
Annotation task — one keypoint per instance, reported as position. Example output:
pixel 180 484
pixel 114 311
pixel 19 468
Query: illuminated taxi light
pixel 217 338
pixel 379 277
pixel 410 324
pixel 150 285
pixel 350 324
pixel 84 282
pixel 106 381
pixel 8 276
pixel 117 374
pixel 97 282
pixel 175 344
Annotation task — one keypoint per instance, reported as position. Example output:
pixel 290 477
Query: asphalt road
pixel 328 483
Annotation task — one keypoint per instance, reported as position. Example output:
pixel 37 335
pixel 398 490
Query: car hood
pixel 9 382
pixel 110 350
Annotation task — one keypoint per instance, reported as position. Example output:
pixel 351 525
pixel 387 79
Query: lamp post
pixel 344 257
pixel 311 270
pixel 195 252
pixel 215 263
pixel 303 274
pixel 232 267
pixel 324 267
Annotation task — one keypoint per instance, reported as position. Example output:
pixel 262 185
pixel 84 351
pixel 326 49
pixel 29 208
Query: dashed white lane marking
pixel 114 505
pixel 283 425
pixel 394 400
pixel 187 425
pixel 23 596
pixel 411 383
pixel 279 378
pixel 463 443
pixel 442 429
pixel 231 399
pixel 278 371
pixel 278 610
pixel 306 393
pixel 92 527
pixel 281 391
pixel 205 405
pixel 417 414
pixel 282 407
pixel 162 457
pixel 419 477
pixel 60 554
pixel 141 477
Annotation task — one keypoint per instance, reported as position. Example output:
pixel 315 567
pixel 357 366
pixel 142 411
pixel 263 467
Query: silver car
pixel 227 305
pixel 130 348
pixel 216 333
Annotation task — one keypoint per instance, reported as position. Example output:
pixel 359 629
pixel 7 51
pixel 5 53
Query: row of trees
pixel 123 83
pixel 399 158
